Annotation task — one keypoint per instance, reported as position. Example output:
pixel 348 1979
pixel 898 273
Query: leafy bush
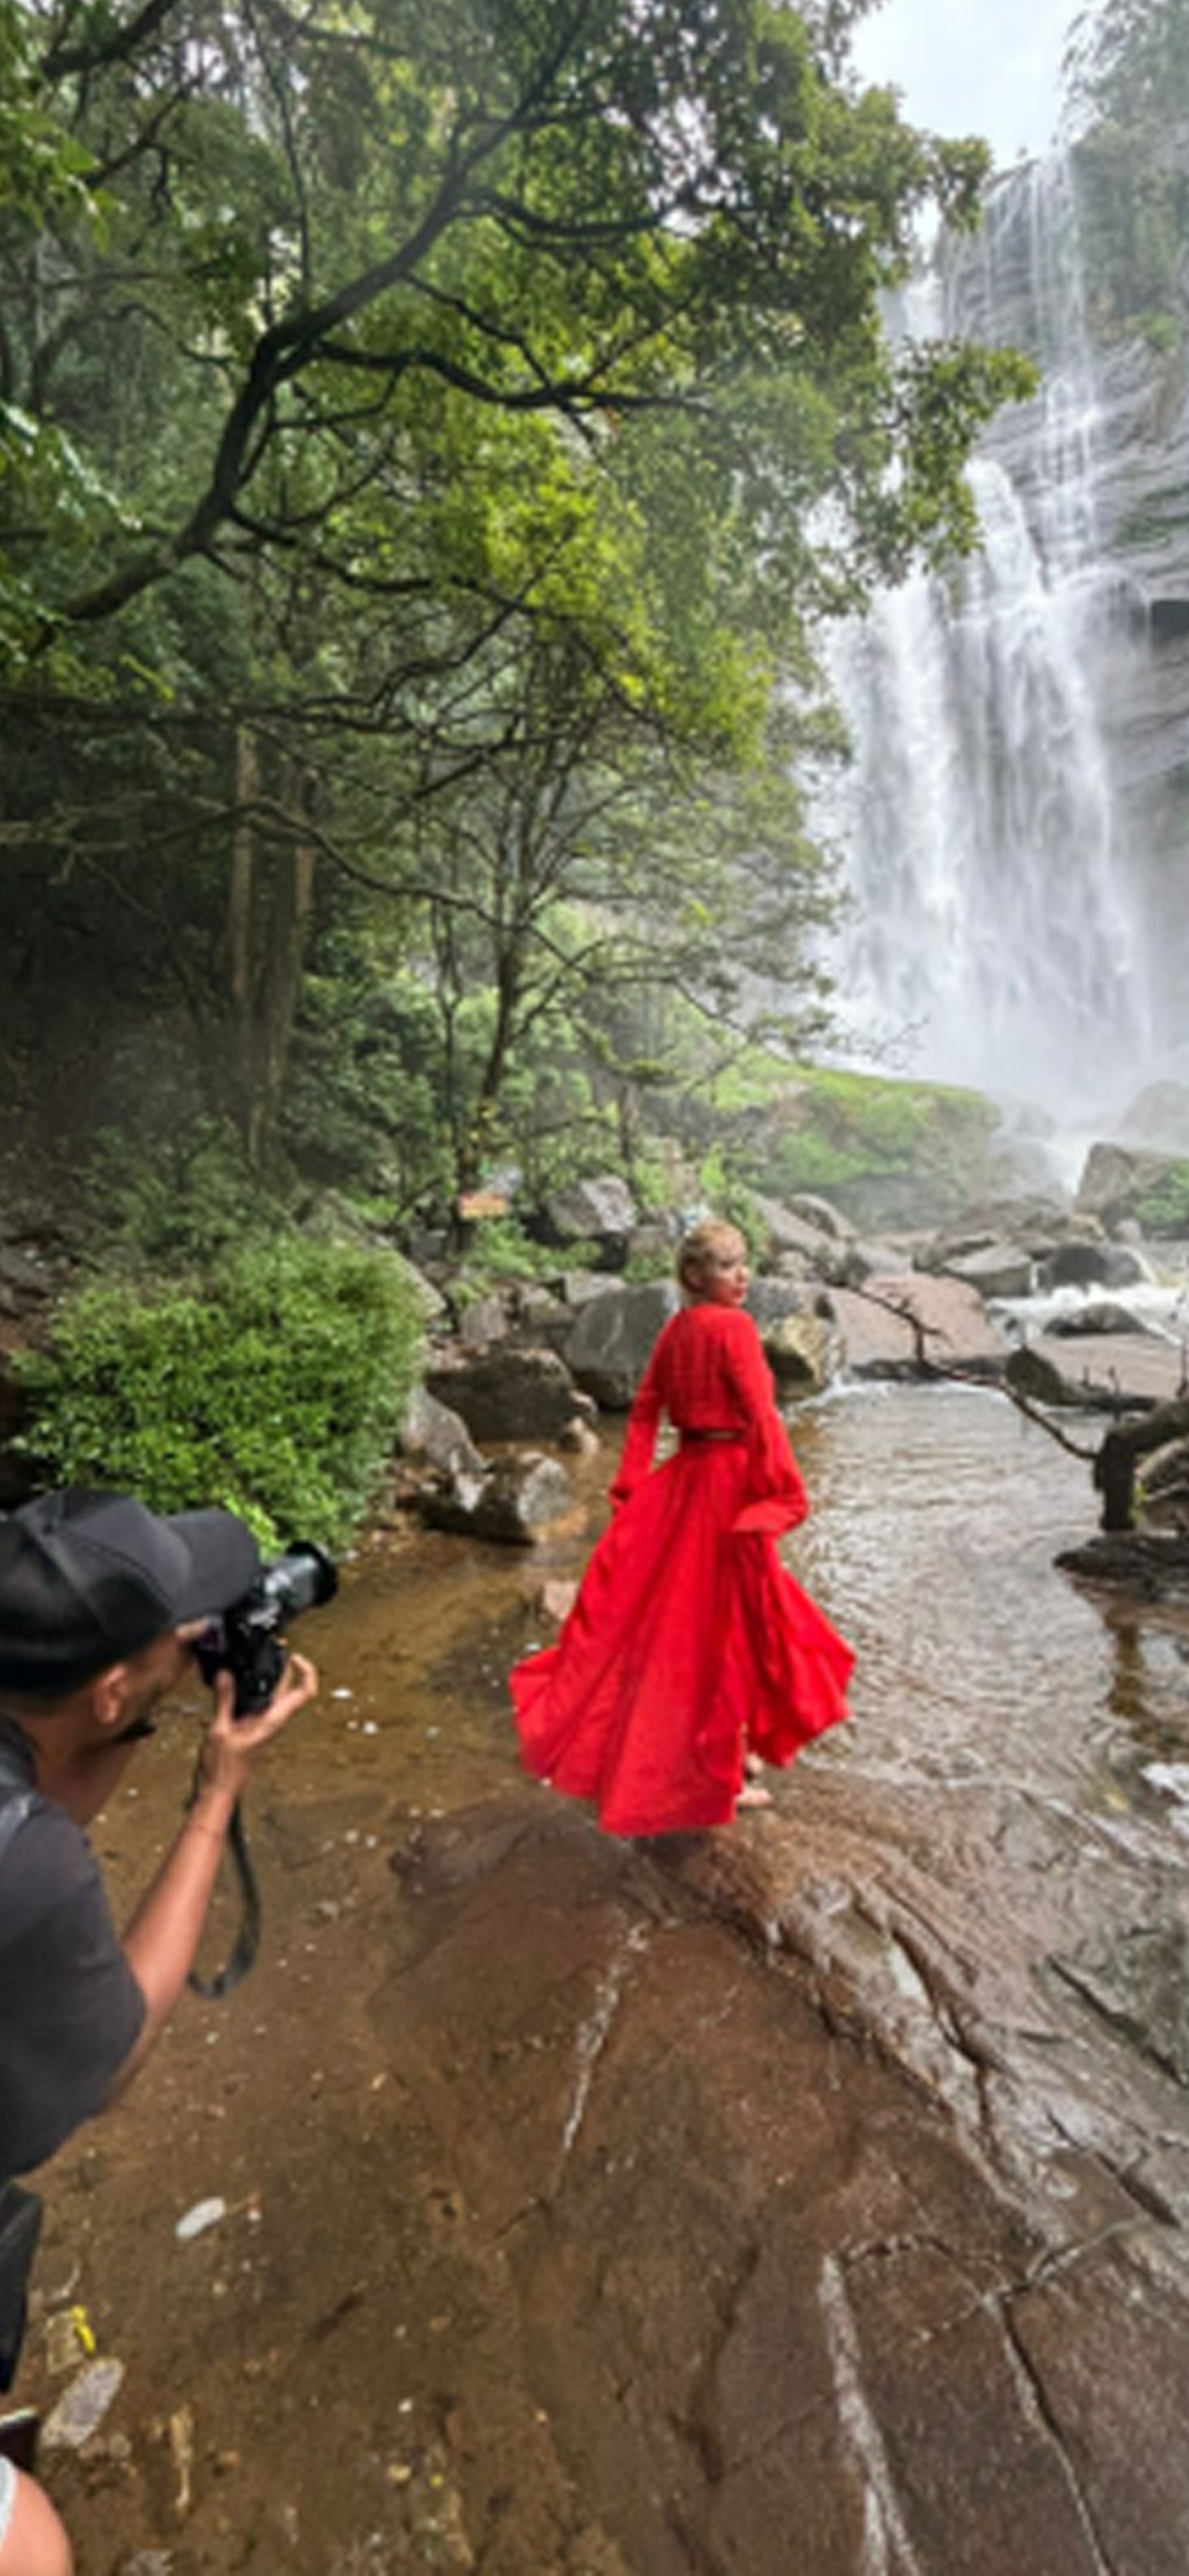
pixel 177 1200
pixel 274 1387
pixel 1165 1209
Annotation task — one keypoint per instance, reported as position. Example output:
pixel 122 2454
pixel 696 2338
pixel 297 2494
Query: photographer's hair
pixel 711 1241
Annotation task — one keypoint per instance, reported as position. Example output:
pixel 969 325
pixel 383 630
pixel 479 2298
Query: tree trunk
pixel 269 909
pixel 1119 1455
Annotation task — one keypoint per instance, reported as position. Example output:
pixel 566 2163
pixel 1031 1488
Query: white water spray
pixel 993 938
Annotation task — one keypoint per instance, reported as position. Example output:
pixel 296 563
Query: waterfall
pixel 992 937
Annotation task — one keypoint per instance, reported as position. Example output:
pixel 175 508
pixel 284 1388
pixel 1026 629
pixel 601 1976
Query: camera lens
pixel 301 1579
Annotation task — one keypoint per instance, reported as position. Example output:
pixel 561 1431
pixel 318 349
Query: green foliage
pixel 1165 1210
pixel 780 1129
pixel 273 1386
pixel 177 1201
pixel 420 434
pixel 502 1250
pixel 1129 84
pixel 727 1194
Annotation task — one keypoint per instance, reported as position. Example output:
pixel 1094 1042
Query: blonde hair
pixel 711 1241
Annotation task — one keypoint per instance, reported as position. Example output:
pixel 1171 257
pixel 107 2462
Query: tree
pixel 581 856
pixel 358 368
pixel 347 237
pixel 1127 72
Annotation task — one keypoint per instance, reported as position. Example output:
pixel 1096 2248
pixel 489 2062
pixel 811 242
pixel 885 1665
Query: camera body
pixel 248 1641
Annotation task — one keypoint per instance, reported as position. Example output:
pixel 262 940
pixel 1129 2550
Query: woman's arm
pixel 640 1436
pixel 776 1498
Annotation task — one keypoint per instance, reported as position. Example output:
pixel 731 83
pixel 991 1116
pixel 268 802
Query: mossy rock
pixel 883 1152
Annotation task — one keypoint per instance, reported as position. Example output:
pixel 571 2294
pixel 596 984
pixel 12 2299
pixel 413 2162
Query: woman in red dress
pixel 690 1653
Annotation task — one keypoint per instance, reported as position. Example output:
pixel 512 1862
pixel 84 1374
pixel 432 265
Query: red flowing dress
pixel 688 1642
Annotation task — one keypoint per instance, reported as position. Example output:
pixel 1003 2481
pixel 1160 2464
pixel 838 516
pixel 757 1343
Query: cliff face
pixel 1100 463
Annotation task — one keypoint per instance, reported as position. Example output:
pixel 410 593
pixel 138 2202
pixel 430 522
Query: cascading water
pixel 991 939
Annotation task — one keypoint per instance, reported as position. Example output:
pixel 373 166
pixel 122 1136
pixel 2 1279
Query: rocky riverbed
pixel 804 2200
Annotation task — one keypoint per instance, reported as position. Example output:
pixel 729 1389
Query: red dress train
pixel 688 1642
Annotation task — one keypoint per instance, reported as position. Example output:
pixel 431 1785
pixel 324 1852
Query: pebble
pixel 205 2213
pixel 81 2408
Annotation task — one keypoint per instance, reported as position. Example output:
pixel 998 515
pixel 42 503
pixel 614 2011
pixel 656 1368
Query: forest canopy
pixel 429 445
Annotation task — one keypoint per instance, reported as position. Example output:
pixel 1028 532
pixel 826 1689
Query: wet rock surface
pixel 809 2197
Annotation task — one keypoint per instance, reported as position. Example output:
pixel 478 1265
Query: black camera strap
pixel 247 1939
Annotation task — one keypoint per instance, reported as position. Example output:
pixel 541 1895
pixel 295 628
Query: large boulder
pixel 1098 1315
pixel 508 1393
pixel 1094 1265
pixel 599 1211
pixel 804 1352
pixel 810 1235
pixel 799 1334
pixel 893 1324
pixel 994 1270
pixel 1118 1185
pixel 608 1349
pixel 514 1503
pixel 433 1435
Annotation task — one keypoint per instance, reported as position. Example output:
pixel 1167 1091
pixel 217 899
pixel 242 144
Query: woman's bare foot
pixel 753 1794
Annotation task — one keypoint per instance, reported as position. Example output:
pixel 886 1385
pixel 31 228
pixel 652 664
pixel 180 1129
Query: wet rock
pixel 1151 1565
pixel 804 1352
pixel 1098 1315
pixel 609 1347
pixel 893 1325
pixel 1139 1981
pixel 994 1269
pixel 433 1433
pixel 1093 1265
pixel 513 1503
pixel 805 2303
pixel 1030 1373
pixel 508 1394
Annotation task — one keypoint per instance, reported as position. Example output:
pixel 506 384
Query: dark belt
pixel 712 1435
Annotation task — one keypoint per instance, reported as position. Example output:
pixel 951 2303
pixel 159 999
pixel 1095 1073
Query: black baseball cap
pixel 87 1578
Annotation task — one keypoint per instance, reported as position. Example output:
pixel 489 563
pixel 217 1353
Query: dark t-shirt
pixel 70 2007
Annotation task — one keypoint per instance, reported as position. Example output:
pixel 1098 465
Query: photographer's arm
pixel 161 1941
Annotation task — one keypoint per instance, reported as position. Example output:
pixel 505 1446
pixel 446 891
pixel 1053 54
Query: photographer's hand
pixel 161 1941
pixel 232 1746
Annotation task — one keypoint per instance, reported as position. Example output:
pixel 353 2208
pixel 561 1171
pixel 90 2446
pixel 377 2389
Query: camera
pixel 247 1641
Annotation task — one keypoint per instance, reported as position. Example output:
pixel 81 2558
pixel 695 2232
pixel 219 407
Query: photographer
pixel 101 1605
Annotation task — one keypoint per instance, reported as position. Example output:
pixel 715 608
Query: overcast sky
pixel 989 67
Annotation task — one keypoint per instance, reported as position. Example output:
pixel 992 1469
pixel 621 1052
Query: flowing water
pixel 996 935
